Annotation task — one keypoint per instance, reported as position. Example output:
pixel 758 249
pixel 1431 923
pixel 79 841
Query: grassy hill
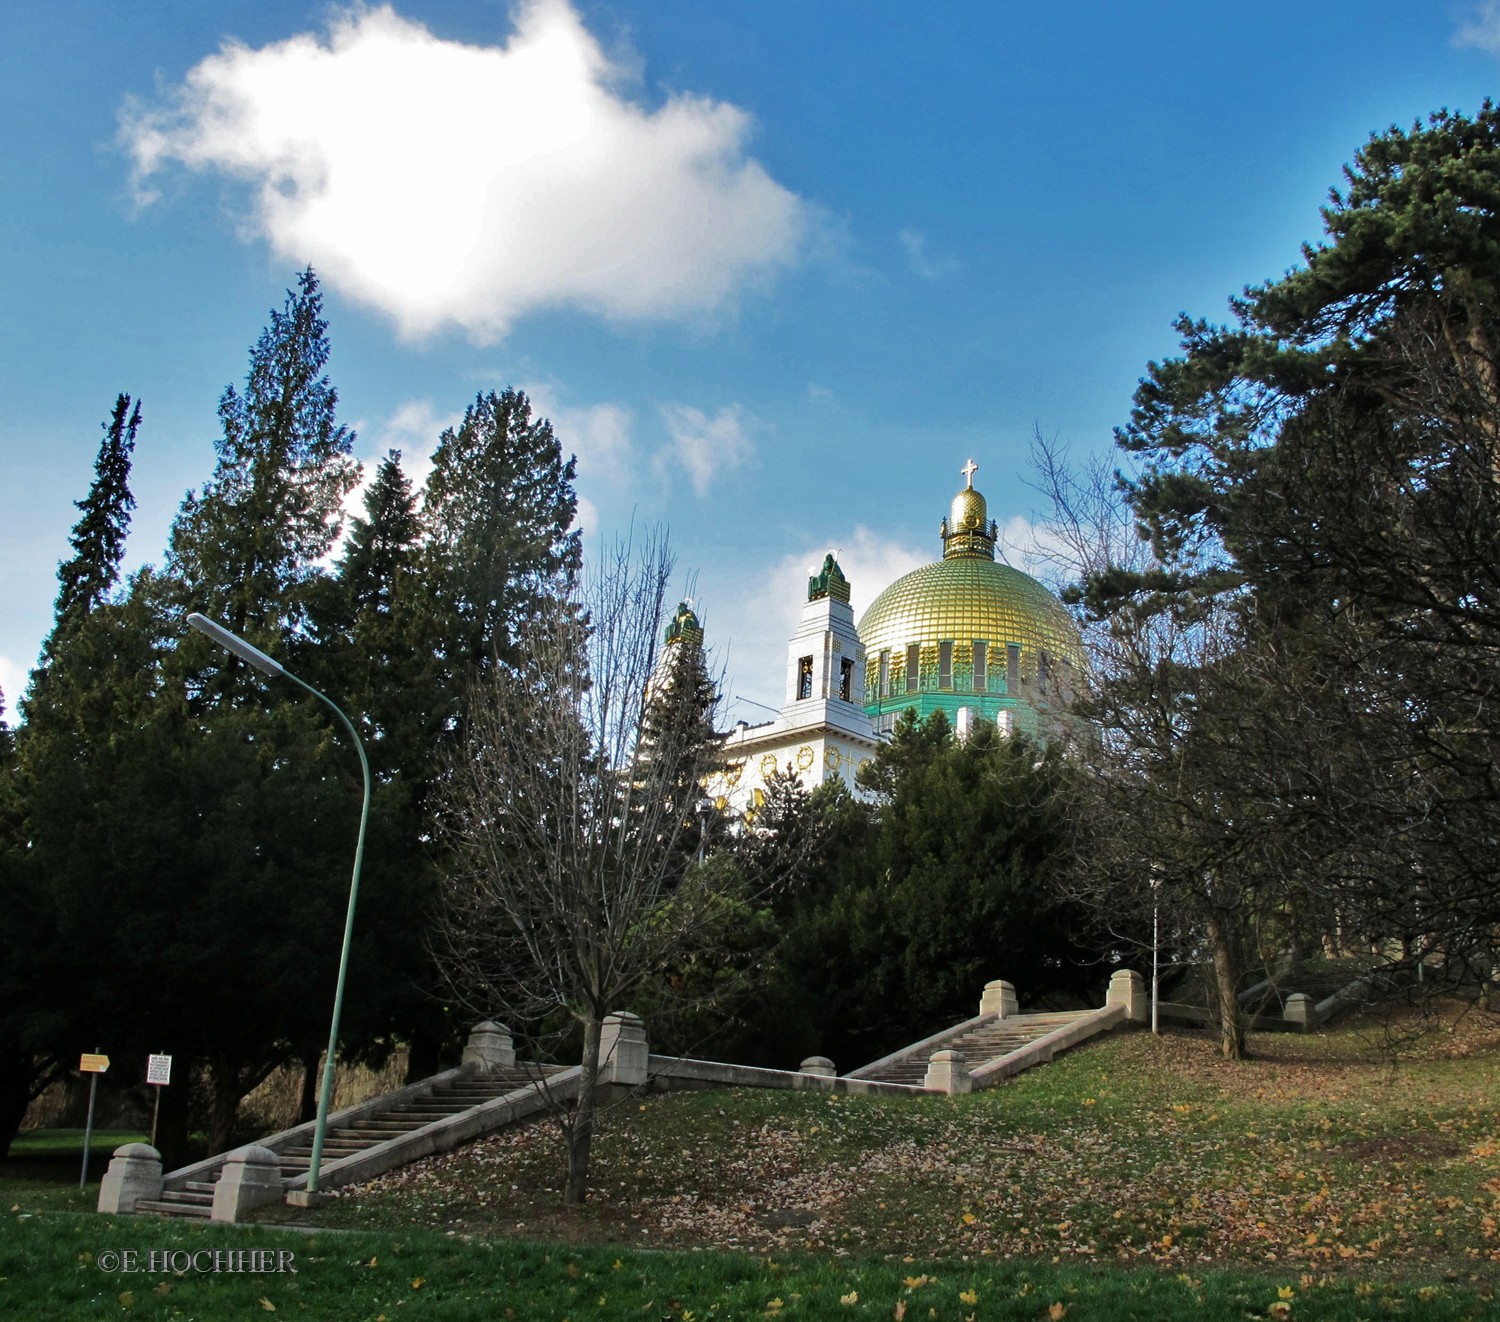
pixel 1348 1174
pixel 1369 1146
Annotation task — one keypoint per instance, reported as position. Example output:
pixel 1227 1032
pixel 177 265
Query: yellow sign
pixel 92 1064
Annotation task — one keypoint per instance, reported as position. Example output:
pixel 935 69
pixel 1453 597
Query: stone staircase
pixel 1001 1041
pixel 980 1044
pixel 453 1096
pixel 1269 998
pixel 446 1099
pixel 489 1091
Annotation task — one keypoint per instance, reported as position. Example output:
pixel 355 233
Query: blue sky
pixel 775 270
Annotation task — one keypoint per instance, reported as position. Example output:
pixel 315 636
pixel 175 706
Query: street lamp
pixel 1155 950
pixel 234 643
pixel 705 812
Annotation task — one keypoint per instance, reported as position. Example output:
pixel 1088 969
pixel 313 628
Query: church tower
pixel 822 730
pixel 825 660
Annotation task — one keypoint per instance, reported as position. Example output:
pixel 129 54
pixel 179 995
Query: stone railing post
pixel 1299 1010
pixel 251 1178
pixel 999 999
pixel 819 1065
pixel 490 1047
pixel 1128 988
pixel 134 1176
pixel 624 1052
pixel 948 1071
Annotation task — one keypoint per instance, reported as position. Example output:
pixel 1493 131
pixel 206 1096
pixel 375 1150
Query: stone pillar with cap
pixel 134 1176
pixel 1299 1010
pixel 819 1065
pixel 1127 988
pixel 251 1178
pixel 999 999
pixel 490 1047
pixel 948 1071
pixel 624 1051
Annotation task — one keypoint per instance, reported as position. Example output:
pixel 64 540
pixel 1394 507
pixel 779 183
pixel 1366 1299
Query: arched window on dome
pixel 883 688
pixel 981 670
pixel 945 664
pixel 1012 667
pixel 913 659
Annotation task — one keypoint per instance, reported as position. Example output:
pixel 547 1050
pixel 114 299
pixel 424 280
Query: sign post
pixel 92 1064
pixel 159 1073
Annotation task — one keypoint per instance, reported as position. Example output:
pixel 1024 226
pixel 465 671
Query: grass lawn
pixel 1133 1178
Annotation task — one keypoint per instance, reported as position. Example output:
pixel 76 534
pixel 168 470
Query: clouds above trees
pixel 462 185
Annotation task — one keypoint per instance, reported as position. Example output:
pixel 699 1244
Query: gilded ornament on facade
pixel 804 757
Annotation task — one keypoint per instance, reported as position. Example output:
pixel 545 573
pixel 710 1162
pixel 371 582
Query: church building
pixel 967 635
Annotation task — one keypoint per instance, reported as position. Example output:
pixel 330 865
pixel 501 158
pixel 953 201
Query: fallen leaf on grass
pixel 267 1304
pixel 1057 1312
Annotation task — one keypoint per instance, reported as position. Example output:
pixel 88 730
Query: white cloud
pixel 755 619
pixel 586 517
pixel 413 429
pixel 923 263
pixel 599 434
pixel 706 447
pixel 12 684
pixel 1483 30
pixel 446 183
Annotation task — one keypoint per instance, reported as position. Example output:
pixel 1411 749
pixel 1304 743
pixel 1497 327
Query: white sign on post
pixel 159 1070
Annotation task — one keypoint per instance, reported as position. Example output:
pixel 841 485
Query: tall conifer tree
pixel 98 538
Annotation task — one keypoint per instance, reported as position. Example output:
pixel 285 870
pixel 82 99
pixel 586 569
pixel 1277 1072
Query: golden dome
pixel 967 599
pixel 967 631
pixel 969 512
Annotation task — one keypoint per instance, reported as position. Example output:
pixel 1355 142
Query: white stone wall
pixel 758 752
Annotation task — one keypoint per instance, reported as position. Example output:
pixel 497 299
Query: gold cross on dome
pixel 968 470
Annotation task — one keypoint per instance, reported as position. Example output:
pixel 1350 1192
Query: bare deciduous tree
pixel 572 883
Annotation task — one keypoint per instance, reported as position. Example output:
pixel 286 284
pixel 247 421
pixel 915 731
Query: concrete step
pixel 163 1207
pixel 201 1186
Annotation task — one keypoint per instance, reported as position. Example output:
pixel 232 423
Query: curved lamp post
pixel 234 643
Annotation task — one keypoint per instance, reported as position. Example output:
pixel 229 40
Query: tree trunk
pixel 223 1106
pixel 1226 982
pixel 424 1055
pixel 15 1093
pixel 580 1133
pixel 307 1102
pixel 171 1113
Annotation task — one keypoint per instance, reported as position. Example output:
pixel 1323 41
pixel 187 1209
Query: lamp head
pixel 234 643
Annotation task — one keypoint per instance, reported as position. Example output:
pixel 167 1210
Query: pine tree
pixel 496 512
pixel 679 746
pixel 247 549
pixel 1323 472
pixel 98 538
pixel 70 706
